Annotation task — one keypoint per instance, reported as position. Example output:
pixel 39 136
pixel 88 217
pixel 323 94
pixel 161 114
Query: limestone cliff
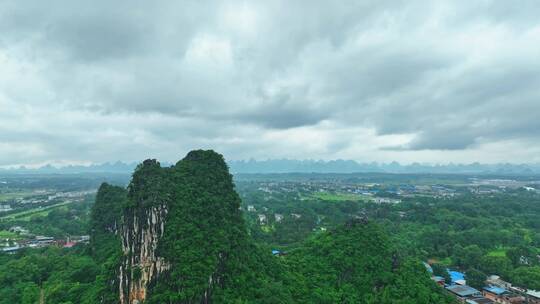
pixel 143 226
pixel 140 235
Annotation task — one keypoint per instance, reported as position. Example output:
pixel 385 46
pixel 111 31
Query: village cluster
pixel 495 290
pixel 38 241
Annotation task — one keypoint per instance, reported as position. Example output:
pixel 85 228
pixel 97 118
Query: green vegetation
pixel 326 196
pixel 11 195
pixel 487 234
pixel 60 221
pixel 4 234
pixel 356 263
pixel 337 247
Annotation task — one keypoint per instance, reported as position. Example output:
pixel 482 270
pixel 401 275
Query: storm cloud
pixel 444 81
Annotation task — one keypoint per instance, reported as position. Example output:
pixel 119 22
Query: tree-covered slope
pixel 356 264
pixel 206 241
pixel 105 220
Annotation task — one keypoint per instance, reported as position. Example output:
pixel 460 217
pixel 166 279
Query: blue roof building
pixel 495 290
pixel 456 276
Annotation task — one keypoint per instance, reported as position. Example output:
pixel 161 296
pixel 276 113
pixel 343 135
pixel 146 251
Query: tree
pixel 476 278
pixel 440 270
pixel 527 277
pixel 500 265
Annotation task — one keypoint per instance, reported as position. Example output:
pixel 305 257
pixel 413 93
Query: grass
pixel 40 213
pixel 266 228
pixel 336 197
pixel 27 214
pixel 444 262
pixel 499 252
pixel 13 195
pixel 4 234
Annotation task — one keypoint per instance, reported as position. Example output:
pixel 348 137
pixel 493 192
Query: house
pixel 428 267
pixel 439 280
pixel 5 208
pixel 11 250
pixel 296 215
pixel 493 292
pixel 69 244
pixel 44 240
pixel 383 200
pixel 262 218
pixel 463 292
pixel 501 295
pixel 533 296
pixel 18 230
pixel 278 217
pixel 457 277
pixel 479 300
pixel 251 208
pixel 495 280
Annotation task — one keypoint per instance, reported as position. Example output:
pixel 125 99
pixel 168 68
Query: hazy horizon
pixel 298 166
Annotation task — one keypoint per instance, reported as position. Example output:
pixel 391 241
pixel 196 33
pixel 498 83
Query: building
pixel 533 296
pixel 4 208
pixel 262 218
pixel 480 300
pixel 493 292
pixel 251 208
pixel 457 277
pixel 439 280
pixel 278 217
pixel 501 295
pixel 11 250
pixel 43 240
pixel 18 230
pixel 495 280
pixel 464 292
pixel 384 200
pixel 69 244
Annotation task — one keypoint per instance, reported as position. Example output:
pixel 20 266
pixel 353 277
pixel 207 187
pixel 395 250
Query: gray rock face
pixel 140 233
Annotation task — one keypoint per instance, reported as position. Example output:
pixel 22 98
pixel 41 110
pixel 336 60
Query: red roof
pixel 69 244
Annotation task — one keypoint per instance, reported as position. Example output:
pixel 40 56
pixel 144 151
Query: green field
pixel 327 196
pixel 499 252
pixel 13 195
pixel 27 214
pixel 4 234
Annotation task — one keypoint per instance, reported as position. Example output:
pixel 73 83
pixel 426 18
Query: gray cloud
pixel 100 81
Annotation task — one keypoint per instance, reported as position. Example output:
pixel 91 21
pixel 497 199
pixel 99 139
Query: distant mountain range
pixel 350 166
pixel 305 166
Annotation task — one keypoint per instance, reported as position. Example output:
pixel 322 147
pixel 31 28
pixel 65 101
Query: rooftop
pixel 494 289
pixel 479 300
pixel 456 275
pixel 462 290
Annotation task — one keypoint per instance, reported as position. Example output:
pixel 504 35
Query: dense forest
pixel 480 235
pixel 203 251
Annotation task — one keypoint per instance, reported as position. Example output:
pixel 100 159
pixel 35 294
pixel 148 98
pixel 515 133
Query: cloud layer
pixel 410 81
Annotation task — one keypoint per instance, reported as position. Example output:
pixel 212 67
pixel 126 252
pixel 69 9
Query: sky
pixel 409 81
